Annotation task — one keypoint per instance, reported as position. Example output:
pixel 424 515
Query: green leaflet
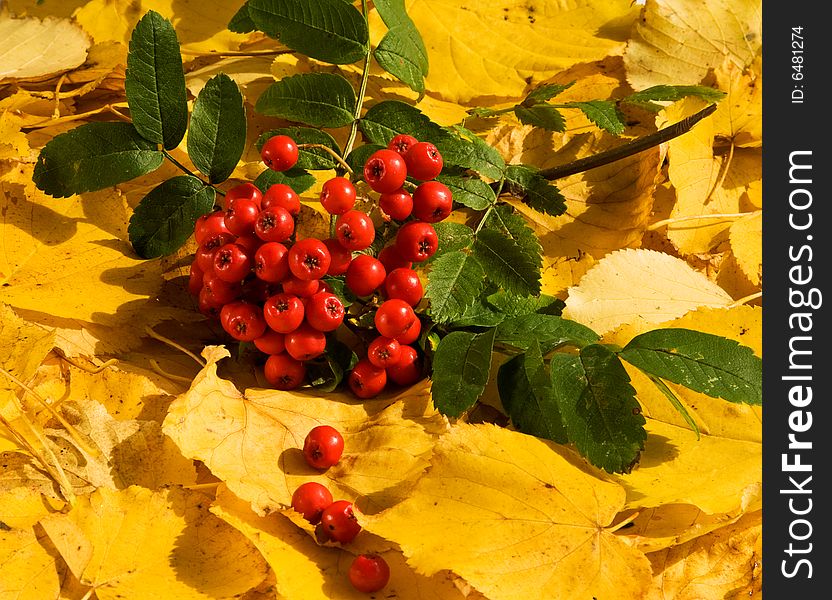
pixel 456 280
pixel 461 366
pixel 317 99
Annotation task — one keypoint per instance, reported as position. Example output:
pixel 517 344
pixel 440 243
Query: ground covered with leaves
pixel 142 456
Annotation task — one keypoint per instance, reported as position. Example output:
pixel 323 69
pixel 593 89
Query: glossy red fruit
pixel 204 255
pixel 242 190
pixel 384 352
pixel 271 262
pixel 337 195
pixel 284 372
pixel 394 318
pixel 401 143
pixel 408 370
pixel 206 306
pixel 391 259
pixel 310 499
pixel 232 262
pixel 369 573
pixel 355 230
pixel 250 242
pixel 243 320
pixel 412 334
pixel 274 224
pixel 283 312
pixel 195 274
pixel 385 170
pixel 218 291
pixel 364 275
pixel 305 342
pixel 397 204
pixel 340 257
pixel 282 195
pixel 324 311
pixel 271 342
pixel 309 259
pixel 432 202
pixel 279 153
pixel 300 287
pixel 339 523
pixel 209 224
pixel 405 284
pixel 366 380
pixel 416 241
pixel 241 215
pixel 323 447
pixel 423 161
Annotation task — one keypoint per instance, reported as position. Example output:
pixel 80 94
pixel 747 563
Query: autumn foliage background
pixel 130 468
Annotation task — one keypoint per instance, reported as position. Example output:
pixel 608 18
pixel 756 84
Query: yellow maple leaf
pixel 184 549
pixel 253 440
pixel 31 48
pixel 746 238
pixel 30 567
pixel 516 517
pixel 739 115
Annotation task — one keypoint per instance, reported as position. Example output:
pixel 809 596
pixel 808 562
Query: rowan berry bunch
pixel 271 289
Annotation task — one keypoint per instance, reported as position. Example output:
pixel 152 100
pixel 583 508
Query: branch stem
pixel 362 92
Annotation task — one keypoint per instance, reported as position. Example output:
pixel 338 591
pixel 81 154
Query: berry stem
pixel 189 172
pixel 490 207
pixel 362 91
pixel 332 153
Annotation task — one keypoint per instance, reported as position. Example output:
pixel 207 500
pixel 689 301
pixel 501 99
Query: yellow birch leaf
pixel 677 42
pixel 484 48
pixel 31 48
pixel 516 517
pixel 253 441
pixel 723 564
pixel 154 541
pixel 642 286
pixel 23 347
pixel 30 567
pixel 39 8
pixel 22 477
pixel 13 142
pixel 677 467
pixel 739 116
pixel 746 237
pixel 24 505
pixel 304 569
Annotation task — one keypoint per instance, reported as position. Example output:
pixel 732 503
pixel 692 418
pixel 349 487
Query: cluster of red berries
pixel 335 519
pixel 268 288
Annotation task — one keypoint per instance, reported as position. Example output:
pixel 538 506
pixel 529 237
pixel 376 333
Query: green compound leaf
pixel 402 51
pixel 461 366
pixel 217 135
pixel 549 331
pixel 535 190
pixel 389 118
pixel 331 31
pixel 308 158
pixel 92 157
pixel 155 82
pixel 467 150
pixel 455 281
pixel 472 192
pixel 296 178
pixel 165 217
pixel 528 397
pixel 242 22
pixel 648 98
pixel 703 362
pixel 317 99
pixel 452 236
pixel 545 92
pixel 603 113
pixel 508 264
pixel 599 408
pixel 541 115
pixel 513 305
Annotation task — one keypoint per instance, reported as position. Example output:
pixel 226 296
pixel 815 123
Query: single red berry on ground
pixel 339 523
pixel 323 447
pixel 369 573
pixel 310 499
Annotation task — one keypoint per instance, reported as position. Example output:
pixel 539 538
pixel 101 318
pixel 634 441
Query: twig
pixel 174 345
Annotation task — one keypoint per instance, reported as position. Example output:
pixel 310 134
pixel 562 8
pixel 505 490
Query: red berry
pixel 384 352
pixel 206 306
pixel 256 290
pixel 279 153
pixel 241 215
pixel 366 380
pixel 243 320
pixel 300 287
pixel 337 195
pixel 385 170
pixel 195 274
pixel 282 195
pixel 432 202
pixel 412 334
pixel 283 312
pixel 340 257
pixel 397 204
pixel 323 447
pixel 339 523
pixel 305 342
pixel 209 224
pixel 232 262
pixel 246 190
pixel 250 242
pixel 271 342
pixel 391 260
pixel 310 499
pixel 423 161
pixel 219 291
pixel 309 259
pixel 271 262
pixel 408 370
pixel 284 372
pixel 369 573
pixel 274 224
pixel 324 311
pixel 355 230
pixel 405 284
pixel 204 256
pixel 394 318
pixel 364 275
pixel 416 241
pixel 401 143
